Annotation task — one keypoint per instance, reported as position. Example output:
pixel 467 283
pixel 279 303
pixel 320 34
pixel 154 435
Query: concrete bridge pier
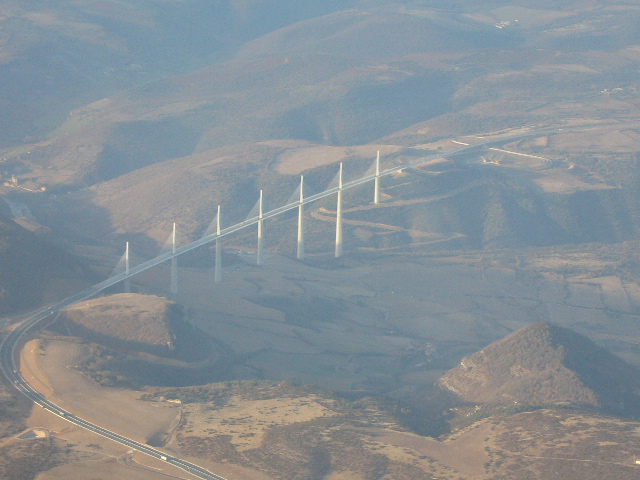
pixel 300 252
pixel 376 181
pixel 217 275
pixel 259 253
pixel 174 264
pixel 127 281
pixel 338 252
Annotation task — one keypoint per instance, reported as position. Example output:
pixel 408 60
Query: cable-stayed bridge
pixel 261 216
pixel 39 319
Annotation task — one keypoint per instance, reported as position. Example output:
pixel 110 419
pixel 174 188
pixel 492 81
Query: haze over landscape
pixel 482 321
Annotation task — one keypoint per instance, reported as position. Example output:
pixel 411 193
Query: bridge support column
pixel 376 182
pixel 259 253
pixel 127 281
pixel 338 252
pixel 300 252
pixel 217 275
pixel 174 264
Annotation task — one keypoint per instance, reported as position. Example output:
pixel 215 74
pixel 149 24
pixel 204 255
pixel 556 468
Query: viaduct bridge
pixel 13 342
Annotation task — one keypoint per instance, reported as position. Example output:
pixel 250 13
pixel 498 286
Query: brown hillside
pixel 126 322
pixel 29 267
pixel 136 340
pixel 545 364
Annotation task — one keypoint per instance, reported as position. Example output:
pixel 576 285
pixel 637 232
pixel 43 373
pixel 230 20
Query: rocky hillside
pixel 544 364
pixel 136 340
pixel 132 323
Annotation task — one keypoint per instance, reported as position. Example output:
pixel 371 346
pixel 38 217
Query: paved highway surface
pixel 40 318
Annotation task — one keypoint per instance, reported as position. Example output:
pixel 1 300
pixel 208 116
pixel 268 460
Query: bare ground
pixel 113 408
pixel 117 409
pixel 464 452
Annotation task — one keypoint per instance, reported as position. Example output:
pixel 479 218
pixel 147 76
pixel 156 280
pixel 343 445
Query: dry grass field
pixel 91 457
pixel 294 161
pixel 559 445
pixel 51 369
pixel 287 432
pixel 291 432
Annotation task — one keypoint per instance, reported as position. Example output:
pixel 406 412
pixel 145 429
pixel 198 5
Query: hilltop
pixel 132 323
pixel 544 364
pixel 126 322
pixel 137 339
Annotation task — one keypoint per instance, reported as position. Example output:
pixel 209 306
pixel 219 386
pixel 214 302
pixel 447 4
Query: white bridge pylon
pixel 217 275
pixel 123 268
pixel 297 198
pixel 376 181
pixel 127 282
pixel 338 250
pixel 300 251
pixel 258 212
pixel 174 263
pixel 170 245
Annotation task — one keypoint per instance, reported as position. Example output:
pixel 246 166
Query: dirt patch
pixel 103 469
pixel 562 181
pixel 35 433
pixel 92 457
pixel 464 453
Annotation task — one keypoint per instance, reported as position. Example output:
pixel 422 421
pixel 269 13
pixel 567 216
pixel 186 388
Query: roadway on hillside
pixel 40 318
pixel 11 372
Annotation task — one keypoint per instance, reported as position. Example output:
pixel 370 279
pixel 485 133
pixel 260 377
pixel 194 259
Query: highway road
pixel 9 349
